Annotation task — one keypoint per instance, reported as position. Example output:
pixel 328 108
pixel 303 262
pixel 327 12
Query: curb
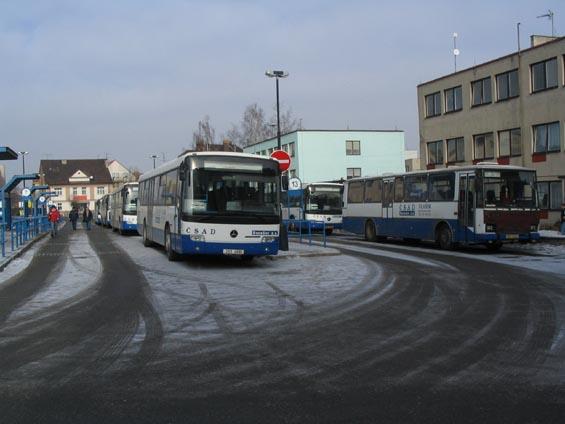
pixel 22 251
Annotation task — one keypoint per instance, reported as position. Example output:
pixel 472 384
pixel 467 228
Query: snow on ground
pixel 551 234
pixel 17 265
pixel 81 270
pixel 544 256
pixel 206 297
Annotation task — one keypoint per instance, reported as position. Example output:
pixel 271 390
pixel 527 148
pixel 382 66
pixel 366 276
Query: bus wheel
pixel 146 241
pixel 494 246
pixel 171 254
pixel 370 231
pixel 445 238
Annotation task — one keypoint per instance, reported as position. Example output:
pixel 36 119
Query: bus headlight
pixel 197 237
pixel 490 228
pixel 268 239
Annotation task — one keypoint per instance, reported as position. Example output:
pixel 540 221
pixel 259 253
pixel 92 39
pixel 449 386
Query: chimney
pixel 538 40
pixel 64 161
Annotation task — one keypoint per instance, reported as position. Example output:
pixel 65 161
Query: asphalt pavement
pixel 415 337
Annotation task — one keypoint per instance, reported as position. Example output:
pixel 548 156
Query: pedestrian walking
pixel 87 218
pixel 54 217
pixel 73 217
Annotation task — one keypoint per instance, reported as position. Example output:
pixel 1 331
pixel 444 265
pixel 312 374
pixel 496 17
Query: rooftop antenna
pixel 518 34
pixel 549 15
pixel 455 51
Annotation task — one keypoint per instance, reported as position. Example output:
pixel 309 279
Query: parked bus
pixel 124 208
pixel 487 204
pixel 105 210
pixel 97 214
pixel 319 202
pixel 218 203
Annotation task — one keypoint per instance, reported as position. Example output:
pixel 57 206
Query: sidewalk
pixel 304 250
pixel 17 252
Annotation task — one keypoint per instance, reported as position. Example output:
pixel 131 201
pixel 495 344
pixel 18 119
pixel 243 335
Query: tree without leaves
pixel 206 133
pixel 254 128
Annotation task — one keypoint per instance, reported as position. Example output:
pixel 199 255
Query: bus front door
pixel 388 196
pixel 466 207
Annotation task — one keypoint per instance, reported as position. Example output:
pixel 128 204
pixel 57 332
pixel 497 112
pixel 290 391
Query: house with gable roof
pixel 77 182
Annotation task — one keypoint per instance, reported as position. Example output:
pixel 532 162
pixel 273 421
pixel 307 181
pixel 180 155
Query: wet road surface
pixel 397 336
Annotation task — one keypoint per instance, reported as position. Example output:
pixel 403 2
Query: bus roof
pixel 453 168
pixel 120 187
pixel 175 163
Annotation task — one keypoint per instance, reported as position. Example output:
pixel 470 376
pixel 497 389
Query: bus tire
pixel 171 254
pixel 146 241
pixel 444 237
pixel 370 231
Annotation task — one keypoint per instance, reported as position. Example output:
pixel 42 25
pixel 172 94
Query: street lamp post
pixel 23 154
pixel 277 75
pixel 154 157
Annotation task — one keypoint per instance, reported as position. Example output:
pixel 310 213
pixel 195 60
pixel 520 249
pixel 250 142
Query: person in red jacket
pixel 54 217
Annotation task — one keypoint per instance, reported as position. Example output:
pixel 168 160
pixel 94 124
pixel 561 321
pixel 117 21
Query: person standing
pixel 54 217
pixel 73 217
pixel 87 218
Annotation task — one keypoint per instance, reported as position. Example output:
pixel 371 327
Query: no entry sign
pixel 283 158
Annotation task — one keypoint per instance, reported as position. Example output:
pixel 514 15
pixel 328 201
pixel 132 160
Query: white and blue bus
pixel 217 203
pixel 317 202
pixel 487 204
pixel 124 208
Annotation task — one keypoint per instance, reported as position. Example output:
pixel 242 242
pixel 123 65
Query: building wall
pixel 525 111
pixel 67 197
pixel 321 155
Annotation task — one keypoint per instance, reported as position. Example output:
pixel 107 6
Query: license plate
pixel 234 251
pixel 512 236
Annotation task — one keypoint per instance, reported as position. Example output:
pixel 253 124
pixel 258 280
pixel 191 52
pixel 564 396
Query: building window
pixel 83 191
pixel 100 190
pixel 550 195
pixel 264 153
pixel 507 85
pixel 59 206
pixel 481 92
pixel 75 191
pixel 455 150
pixel 435 152
pixel 58 191
pixel 547 138
pixel 352 147
pixel 544 75
pixel 353 172
pixel 453 99
pixel 510 142
pixel 285 147
pixel 291 149
pixel 484 146
pixel 433 104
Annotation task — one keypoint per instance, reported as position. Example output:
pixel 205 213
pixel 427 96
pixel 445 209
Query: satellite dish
pixel 456 52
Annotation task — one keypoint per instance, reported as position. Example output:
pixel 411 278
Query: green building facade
pixel 331 155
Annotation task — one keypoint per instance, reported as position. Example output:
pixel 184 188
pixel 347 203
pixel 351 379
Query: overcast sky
pixel 127 79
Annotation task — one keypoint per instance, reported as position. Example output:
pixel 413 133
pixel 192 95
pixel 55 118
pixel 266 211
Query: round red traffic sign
pixel 283 158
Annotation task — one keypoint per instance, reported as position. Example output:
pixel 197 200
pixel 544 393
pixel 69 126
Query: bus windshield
pixel 323 200
pixel 232 192
pixel 507 188
pixel 130 200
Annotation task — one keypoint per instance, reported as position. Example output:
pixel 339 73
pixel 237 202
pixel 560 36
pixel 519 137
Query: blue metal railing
pixel 22 230
pixel 302 228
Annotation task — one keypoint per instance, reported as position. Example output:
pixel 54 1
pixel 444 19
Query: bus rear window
pixel 442 187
